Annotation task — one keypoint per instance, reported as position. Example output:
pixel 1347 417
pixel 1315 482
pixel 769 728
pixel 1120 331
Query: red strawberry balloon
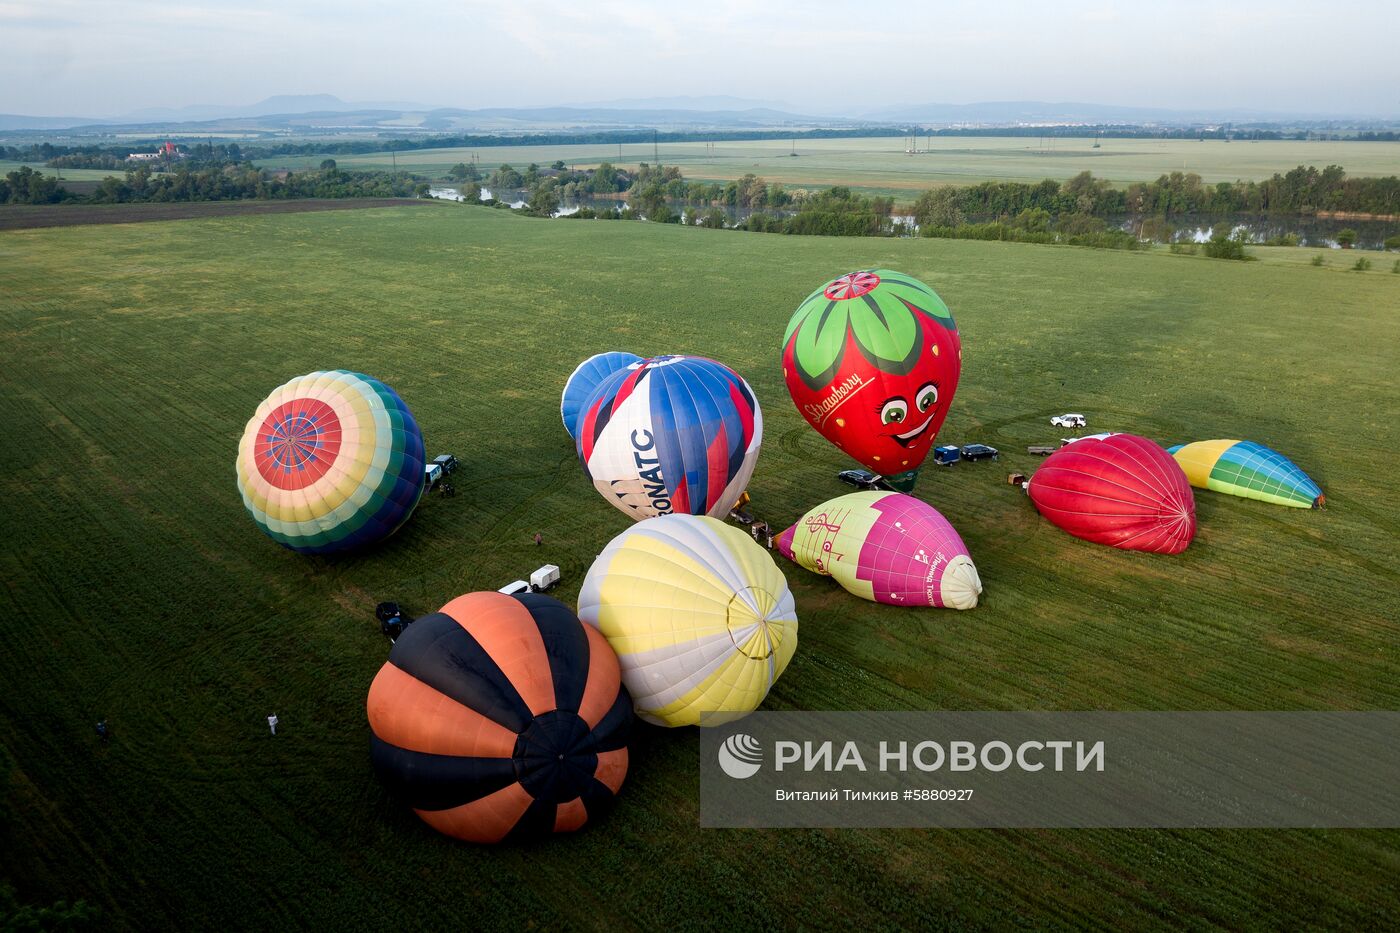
pixel 1121 490
pixel 872 361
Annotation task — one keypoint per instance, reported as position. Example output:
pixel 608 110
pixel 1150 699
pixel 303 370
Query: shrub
pixel 1225 248
pixel 1317 260
pixel 1288 239
pixel 1396 268
pixel 1361 265
pixel 1346 238
pixel 1184 248
pixel 1392 242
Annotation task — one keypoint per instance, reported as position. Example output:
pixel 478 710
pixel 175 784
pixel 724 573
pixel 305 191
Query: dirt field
pixel 20 216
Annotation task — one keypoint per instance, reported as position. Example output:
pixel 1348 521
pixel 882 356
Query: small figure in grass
pixel 539 539
pixel 272 723
pixel 103 733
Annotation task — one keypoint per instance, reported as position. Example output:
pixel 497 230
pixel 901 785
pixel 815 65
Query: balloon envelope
pixel 700 616
pixel 673 434
pixel 584 379
pixel 1244 468
pixel 872 360
pixel 1122 490
pixel 886 547
pixel 330 461
pixel 501 716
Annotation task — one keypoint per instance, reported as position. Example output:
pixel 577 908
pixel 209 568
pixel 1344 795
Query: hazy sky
pixel 100 58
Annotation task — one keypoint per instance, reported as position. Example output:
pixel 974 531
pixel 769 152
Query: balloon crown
pixel 885 326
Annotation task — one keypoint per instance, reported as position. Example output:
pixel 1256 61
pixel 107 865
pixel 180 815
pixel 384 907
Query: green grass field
pixel 137 589
pixel 881 165
pixel 69 174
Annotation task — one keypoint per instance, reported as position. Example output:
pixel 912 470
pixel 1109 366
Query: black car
pixel 980 452
pixel 861 479
pixel 447 462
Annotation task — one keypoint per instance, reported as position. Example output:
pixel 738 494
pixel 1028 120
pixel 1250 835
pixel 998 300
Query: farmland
pixel 881 166
pixel 137 590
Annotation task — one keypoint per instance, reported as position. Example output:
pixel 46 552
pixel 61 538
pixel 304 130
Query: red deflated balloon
pixel 1121 490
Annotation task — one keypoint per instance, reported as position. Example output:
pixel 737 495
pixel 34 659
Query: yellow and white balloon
pixel 700 616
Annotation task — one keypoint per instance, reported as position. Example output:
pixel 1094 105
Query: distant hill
pixel 278 104
pixel 17 121
pixel 1036 111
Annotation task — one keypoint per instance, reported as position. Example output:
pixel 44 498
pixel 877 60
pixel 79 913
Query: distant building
pixel 166 152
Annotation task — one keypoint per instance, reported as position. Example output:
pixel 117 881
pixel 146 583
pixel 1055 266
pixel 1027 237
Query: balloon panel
pixel 585 379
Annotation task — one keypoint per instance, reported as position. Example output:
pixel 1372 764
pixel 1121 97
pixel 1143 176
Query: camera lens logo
pixel 740 756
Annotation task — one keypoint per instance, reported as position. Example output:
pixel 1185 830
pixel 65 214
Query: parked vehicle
pixel 946 455
pixel 980 452
pixel 513 589
pixel 447 462
pixel 432 475
pixel 1041 449
pixel 1070 420
pixel 861 479
pixel 543 578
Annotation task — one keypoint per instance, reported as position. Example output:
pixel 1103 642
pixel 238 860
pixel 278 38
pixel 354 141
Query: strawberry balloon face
pixel 872 360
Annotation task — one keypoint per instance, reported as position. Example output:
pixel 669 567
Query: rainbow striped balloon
pixel 886 547
pixel 1247 469
pixel 331 461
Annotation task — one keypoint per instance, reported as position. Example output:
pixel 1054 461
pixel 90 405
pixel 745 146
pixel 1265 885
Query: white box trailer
pixel 543 578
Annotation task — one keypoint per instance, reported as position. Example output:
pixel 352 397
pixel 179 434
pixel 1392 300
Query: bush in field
pixel 1183 247
pixel 1361 265
pixel 1226 246
pixel 1346 238
pixel 1317 260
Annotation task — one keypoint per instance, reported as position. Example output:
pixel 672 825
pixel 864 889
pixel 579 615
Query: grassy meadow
pixel 137 590
pixel 881 165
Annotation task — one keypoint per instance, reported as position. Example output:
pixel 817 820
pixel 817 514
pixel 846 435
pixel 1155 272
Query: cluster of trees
pixel 243 182
pixel 217 183
pixel 1303 190
pixel 26 186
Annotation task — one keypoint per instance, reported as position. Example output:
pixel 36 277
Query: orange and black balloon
pixel 501 717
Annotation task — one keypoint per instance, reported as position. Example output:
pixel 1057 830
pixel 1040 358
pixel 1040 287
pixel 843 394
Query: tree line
pixel 215 183
pixel 1303 190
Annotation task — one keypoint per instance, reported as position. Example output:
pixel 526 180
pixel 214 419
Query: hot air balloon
pixel 700 616
pixel 886 547
pixel 1121 490
pixel 671 434
pixel 872 361
pixel 331 461
pixel 1244 468
pixel 584 379
pixel 501 716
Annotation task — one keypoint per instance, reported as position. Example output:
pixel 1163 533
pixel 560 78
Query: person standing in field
pixel 539 539
pixel 272 723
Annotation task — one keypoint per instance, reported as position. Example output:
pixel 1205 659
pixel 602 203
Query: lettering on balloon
pixel 649 471
pixel 840 393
